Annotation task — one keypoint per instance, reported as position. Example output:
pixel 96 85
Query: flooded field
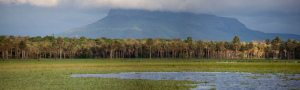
pixel 216 80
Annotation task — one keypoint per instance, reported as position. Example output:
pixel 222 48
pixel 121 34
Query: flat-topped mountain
pixel 138 24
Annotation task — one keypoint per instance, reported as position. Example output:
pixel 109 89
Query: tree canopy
pixel 49 47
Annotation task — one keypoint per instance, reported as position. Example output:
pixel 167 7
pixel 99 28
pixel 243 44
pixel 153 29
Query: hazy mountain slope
pixel 144 24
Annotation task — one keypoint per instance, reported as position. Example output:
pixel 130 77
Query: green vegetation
pixel 245 83
pixel 50 47
pixel 254 77
pixel 164 78
pixel 54 74
pixel 285 85
pixel 212 89
pixel 187 78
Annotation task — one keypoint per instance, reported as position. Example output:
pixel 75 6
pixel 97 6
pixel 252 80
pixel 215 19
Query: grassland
pixel 54 74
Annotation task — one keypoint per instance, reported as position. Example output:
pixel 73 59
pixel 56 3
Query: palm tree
pixel 200 48
pixel 267 50
pixel 236 44
pixel 60 45
pixel 7 45
pixel 220 47
pixel 173 47
pixel 275 46
pixel 149 43
pixel 136 48
pixel 22 45
pixel 250 48
pixel 212 48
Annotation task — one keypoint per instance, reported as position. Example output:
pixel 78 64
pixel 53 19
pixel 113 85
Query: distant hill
pixel 138 24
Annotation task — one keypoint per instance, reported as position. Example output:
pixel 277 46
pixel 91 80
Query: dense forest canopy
pixel 49 47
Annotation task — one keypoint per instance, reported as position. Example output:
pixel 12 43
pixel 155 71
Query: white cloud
pixel 42 3
pixel 249 12
pixel 197 6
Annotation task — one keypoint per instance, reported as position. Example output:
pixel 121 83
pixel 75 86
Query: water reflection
pixel 217 80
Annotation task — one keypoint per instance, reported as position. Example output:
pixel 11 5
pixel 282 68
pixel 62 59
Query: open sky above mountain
pixel 47 17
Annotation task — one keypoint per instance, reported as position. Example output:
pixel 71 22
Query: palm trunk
pixel 235 52
pixel 22 54
pixel 11 55
pixel 60 53
pixel 150 52
pixel 221 54
pixel 110 54
pixel 50 55
pixel 173 53
pixel 16 54
pixel 6 54
pixel 2 55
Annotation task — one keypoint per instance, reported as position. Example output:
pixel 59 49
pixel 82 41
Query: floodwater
pixel 217 80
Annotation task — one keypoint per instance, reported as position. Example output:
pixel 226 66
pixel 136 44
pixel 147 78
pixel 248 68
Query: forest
pixel 50 47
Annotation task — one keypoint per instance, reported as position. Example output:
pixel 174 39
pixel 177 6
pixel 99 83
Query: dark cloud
pixel 45 17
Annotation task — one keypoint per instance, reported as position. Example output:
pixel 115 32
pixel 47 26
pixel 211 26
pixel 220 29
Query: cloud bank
pixel 271 16
pixel 196 6
pixel 43 3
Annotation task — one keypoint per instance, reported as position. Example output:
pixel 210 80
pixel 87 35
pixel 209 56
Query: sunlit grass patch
pixel 244 83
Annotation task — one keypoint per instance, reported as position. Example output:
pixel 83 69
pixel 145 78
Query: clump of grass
pixel 245 83
pixel 206 82
pixel 297 79
pixel 253 77
pixel 227 84
pixel 164 78
pixel 288 79
pixel 285 85
pixel 187 78
pixel 212 89
pixel 267 76
pixel 208 75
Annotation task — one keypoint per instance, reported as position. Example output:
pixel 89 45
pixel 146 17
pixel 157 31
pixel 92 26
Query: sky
pixel 47 17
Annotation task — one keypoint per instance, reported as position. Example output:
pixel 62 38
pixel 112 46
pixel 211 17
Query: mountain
pixel 138 24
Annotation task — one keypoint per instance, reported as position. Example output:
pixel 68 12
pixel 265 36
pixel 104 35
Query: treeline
pixel 49 47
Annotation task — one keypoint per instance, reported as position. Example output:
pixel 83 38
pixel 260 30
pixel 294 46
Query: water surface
pixel 217 80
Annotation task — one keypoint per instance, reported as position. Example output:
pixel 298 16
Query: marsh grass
pixel 245 83
pixel 212 89
pixel 253 77
pixel 55 74
pixel 285 85
pixel 164 78
pixel 187 78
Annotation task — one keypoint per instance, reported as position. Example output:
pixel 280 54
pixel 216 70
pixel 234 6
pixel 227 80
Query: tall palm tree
pixel 149 43
pixel 275 46
pixel 220 48
pixel 22 46
pixel 136 48
pixel 200 45
pixel 236 44
pixel 212 48
pixel 60 42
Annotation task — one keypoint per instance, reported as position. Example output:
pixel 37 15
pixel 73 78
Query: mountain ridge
pixel 121 23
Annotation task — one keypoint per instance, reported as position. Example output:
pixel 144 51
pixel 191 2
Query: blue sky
pixel 47 17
